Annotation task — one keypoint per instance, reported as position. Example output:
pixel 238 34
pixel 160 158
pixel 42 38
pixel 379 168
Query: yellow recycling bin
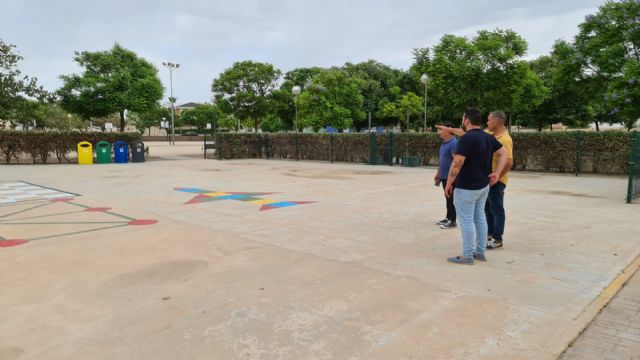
pixel 85 153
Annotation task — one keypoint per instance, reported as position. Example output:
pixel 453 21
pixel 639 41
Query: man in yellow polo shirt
pixel 494 207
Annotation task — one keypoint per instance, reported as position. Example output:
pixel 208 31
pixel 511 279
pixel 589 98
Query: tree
pixel 455 72
pixel 57 118
pixel 504 74
pixel 150 118
pixel 282 98
pixel 14 86
pixel 404 108
pixel 113 81
pixel 272 123
pixel 246 87
pixel 607 51
pixel 202 115
pixel 30 113
pixel 486 72
pixel 377 80
pixel 530 107
pixel 332 99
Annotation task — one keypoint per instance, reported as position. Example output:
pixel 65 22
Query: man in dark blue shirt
pixel 446 154
pixel 472 174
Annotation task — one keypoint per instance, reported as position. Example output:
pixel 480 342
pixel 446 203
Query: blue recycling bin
pixel 121 152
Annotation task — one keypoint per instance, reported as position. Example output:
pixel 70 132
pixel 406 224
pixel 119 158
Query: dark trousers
pixel 451 209
pixel 494 211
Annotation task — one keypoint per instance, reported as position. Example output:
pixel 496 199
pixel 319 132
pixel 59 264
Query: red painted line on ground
pixel 142 222
pixel 12 242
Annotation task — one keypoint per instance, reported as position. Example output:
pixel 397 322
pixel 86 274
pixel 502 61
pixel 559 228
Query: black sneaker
pixel 448 225
pixel 442 222
pixel 494 245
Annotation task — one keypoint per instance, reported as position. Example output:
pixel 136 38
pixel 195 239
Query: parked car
pixel 190 133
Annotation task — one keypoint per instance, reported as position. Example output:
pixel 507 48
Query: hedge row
pixel 587 152
pixel 40 146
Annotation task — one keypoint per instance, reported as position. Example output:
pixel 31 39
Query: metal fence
pixel 633 190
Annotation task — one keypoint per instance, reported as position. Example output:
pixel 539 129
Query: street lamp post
pixel 163 125
pixel 425 79
pixel 171 66
pixel 296 91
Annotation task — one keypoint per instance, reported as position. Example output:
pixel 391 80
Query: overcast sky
pixel 207 36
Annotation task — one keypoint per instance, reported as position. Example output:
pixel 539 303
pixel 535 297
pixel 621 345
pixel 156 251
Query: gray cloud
pixel 206 37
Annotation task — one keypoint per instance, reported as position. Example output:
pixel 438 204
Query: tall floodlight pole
pixel 171 66
pixel 296 91
pixel 425 79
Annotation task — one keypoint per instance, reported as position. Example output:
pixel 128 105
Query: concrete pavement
pixel 358 274
pixel 615 333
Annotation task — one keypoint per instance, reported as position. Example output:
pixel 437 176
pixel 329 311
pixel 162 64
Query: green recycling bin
pixel 103 152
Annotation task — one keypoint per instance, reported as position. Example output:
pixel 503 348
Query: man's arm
pixel 454 131
pixel 507 167
pixel 500 165
pixel 454 170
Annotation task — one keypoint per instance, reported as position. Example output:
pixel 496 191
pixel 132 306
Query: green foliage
pixel 377 80
pixel 272 124
pixel 455 75
pixel 56 118
pixel 202 115
pixel 14 86
pixel 113 81
pixel 590 152
pixel 30 114
pixel 404 108
pixel 151 117
pixel 486 72
pixel 41 145
pixel 557 151
pixel 244 90
pixel 608 58
pixel 332 99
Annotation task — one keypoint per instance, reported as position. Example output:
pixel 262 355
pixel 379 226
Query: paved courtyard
pixel 186 258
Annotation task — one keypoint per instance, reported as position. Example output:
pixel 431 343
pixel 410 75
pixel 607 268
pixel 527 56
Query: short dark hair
pixel 474 116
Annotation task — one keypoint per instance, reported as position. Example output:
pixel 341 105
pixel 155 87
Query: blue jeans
pixel 473 224
pixel 494 211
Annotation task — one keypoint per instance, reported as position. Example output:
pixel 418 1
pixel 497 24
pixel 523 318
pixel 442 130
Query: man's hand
pixel 493 178
pixel 453 131
pixel 448 191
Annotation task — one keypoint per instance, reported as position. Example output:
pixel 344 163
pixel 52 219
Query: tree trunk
pixel 597 125
pixel 407 129
pixel 122 121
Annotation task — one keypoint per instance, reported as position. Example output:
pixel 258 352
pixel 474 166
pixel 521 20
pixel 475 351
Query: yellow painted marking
pixel 212 194
pixel 263 201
